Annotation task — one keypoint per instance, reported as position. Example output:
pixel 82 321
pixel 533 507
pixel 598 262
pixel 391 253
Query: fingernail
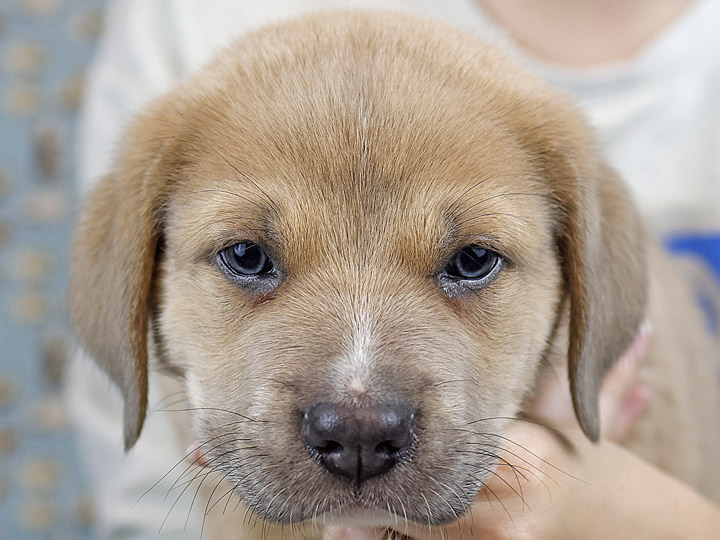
pixel 196 452
pixel 638 348
pixel 633 406
pixel 334 533
pixel 637 400
pixel 192 447
pixel 636 403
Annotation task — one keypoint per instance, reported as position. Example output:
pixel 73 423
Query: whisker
pixel 452 381
pixel 196 461
pixel 205 512
pixel 439 497
pixel 173 468
pixel 500 448
pixel 517 491
pixel 197 491
pixel 163 399
pixel 501 504
pixel 177 499
pixel 188 409
pixel 197 473
pixel 235 486
pixel 534 455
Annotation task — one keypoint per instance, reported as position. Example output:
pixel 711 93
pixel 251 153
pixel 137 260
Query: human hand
pixel 622 397
pixel 537 470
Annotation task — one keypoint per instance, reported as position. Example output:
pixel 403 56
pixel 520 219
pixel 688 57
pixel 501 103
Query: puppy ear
pixel 600 241
pixel 602 247
pixel 113 258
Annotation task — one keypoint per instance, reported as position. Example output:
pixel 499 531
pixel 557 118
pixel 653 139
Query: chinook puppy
pixel 351 236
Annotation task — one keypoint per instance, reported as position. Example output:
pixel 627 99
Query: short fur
pixel 362 151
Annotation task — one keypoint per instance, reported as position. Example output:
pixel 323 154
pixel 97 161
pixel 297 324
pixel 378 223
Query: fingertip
pixel 634 405
pixel 626 368
pixel 198 455
pixel 335 533
pixel 353 533
pixel 638 399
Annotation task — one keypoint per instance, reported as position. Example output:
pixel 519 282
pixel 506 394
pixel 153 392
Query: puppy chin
pixel 382 508
pixel 362 514
pixel 361 517
pixel 358 516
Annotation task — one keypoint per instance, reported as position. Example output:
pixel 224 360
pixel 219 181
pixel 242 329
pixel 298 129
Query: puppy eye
pixel 246 259
pixel 474 263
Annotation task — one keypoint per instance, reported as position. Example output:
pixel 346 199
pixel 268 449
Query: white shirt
pixel 657 117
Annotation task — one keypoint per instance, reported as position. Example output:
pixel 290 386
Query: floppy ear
pixel 599 237
pixel 113 258
pixel 602 248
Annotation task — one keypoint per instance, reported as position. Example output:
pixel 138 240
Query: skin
pixel 585 33
pixel 560 492
pixel 645 503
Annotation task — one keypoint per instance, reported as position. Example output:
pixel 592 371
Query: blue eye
pixel 473 263
pixel 246 259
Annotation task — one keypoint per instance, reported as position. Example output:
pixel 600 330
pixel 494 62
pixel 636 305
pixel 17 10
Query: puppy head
pixel 364 221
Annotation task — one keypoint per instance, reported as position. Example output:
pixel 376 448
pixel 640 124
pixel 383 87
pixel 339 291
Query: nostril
pixel 387 448
pixel 358 442
pixel 327 448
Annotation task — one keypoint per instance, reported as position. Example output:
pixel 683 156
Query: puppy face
pixel 353 239
pixel 358 310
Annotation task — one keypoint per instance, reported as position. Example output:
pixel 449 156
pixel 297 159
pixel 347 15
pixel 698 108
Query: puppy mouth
pixel 362 506
pixel 405 494
pixel 339 462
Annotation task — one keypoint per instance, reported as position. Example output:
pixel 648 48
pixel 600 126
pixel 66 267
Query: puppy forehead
pixel 422 213
pixel 342 145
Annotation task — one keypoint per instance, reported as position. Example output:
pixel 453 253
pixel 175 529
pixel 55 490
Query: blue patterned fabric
pixel 45 46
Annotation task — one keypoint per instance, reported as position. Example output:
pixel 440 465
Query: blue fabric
pixel 706 247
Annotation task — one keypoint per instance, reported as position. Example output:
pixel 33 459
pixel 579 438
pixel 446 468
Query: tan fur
pixel 363 151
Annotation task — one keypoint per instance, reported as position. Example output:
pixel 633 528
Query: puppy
pixel 351 236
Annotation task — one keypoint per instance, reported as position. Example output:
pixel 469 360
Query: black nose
pixel 359 442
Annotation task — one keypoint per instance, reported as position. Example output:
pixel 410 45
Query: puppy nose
pixel 359 442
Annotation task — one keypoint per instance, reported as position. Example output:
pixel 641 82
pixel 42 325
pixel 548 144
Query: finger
pixel 634 405
pixel 198 454
pixel 624 373
pixel 622 399
pixel 354 533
